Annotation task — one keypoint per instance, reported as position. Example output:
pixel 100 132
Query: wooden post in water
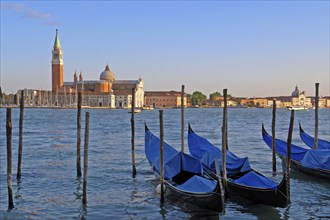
pixel 84 200
pixel 288 157
pixel 20 142
pixel 9 159
pixel 161 135
pixel 217 169
pixel 182 118
pixel 78 160
pixel 224 147
pixel 273 137
pixel 225 122
pixel 316 116
pixel 133 132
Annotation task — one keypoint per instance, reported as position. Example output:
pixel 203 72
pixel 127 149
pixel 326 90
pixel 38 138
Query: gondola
pixel 184 175
pixel 309 140
pixel 242 179
pixel 309 161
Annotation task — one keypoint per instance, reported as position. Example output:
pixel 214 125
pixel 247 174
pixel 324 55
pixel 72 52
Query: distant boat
pixel 297 108
pixel 150 107
pixel 136 110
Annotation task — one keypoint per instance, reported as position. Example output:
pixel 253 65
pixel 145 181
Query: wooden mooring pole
pixel 84 200
pixel 316 132
pixel 161 135
pixel 182 118
pixel 133 133
pixel 288 157
pixel 20 142
pixel 225 122
pixel 78 160
pixel 224 146
pixel 273 137
pixel 9 159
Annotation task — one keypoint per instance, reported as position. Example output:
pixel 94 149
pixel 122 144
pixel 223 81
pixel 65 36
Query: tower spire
pixel 57 45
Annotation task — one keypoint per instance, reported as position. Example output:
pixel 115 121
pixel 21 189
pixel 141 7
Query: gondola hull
pixel 298 157
pixel 274 197
pixel 210 201
pixel 295 165
pixel 184 177
pixel 213 201
pixel 264 192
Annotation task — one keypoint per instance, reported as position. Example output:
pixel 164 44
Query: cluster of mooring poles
pixel 9 128
pixel 20 149
pixel 86 140
pixel 289 139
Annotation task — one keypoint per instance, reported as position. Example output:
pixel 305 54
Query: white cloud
pixel 27 12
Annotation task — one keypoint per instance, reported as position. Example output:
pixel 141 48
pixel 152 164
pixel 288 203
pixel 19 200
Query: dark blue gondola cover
pixel 309 141
pixel 256 180
pixel 316 159
pixel 174 163
pixel 202 149
pixel 207 152
pixel 297 153
pixel 198 184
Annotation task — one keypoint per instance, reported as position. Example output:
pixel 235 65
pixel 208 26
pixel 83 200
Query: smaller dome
pixel 107 75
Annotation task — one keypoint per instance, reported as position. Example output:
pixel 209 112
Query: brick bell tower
pixel 57 65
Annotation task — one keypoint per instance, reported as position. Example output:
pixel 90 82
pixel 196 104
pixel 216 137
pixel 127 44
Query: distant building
pixel 164 99
pixel 297 98
pixel 95 93
pixel 123 93
pixel 300 99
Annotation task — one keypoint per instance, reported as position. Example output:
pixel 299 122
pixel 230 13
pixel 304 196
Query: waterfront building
pixel 104 92
pixel 297 98
pixel 270 102
pixel 95 93
pixel 123 93
pixel 300 98
pixel 164 99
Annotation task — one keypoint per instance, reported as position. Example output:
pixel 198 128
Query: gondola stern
pixel 190 130
pixel 146 127
pixel 300 128
pixel 263 129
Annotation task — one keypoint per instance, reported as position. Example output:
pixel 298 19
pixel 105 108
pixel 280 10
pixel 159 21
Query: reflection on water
pixel 50 189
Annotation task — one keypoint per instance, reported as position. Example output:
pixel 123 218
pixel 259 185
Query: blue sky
pixel 252 48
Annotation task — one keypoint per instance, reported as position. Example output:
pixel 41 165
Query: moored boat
pixel 309 161
pixel 184 175
pixel 297 108
pixel 242 179
pixel 309 140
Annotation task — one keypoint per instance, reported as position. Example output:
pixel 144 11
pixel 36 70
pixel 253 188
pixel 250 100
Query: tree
pixel 215 96
pixel 197 98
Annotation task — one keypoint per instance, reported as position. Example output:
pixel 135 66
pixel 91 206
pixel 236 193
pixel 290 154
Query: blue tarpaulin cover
pixel 257 180
pixel 309 140
pixel 205 151
pixel 198 184
pixel 316 159
pixel 297 153
pixel 174 163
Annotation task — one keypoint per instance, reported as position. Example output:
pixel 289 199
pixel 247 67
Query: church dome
pixel 296 92
pixel 107 75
